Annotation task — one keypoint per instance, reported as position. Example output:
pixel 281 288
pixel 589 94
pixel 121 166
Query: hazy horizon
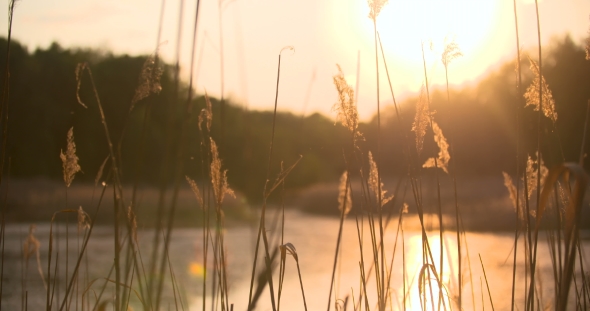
pixel 323 34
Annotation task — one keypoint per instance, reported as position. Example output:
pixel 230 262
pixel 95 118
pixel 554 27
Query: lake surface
pixel 315 240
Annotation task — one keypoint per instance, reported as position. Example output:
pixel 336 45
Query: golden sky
pixel 323 32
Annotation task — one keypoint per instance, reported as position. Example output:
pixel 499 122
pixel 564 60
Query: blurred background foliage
pixel 481 118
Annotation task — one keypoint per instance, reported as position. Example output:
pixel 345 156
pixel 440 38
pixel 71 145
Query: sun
pixel 405 21
pixel 406 27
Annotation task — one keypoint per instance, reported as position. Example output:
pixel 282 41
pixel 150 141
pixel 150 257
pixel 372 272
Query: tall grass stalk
pixel 530 302
pixel 164 177
pixel 451 51
pixel 517 114
pixel 3 242
pixel 487 284
pixel 4 122
pixel 381 267
pixel 80 255
pixel 262 224
pixel 204 135
pixel 165 169
pixel 139 165
pixel 344 207
pixel 117 188
pixel 179 152
pixel 5 90
pixel 436 166
pixel 407 144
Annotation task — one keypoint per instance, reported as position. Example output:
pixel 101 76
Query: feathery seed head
pixel 421 120
pixel 531 172
pixel 375 184
pixel 195 190
pixel 345 108
pixel 70 159
pixel 375 7
pixel 206 114
pixel 83 219
pixel 513 197
pixel 149 80
pixel 218 177
pixel 344 197
pixel 443 154
pixel 451 52
pixel 532 94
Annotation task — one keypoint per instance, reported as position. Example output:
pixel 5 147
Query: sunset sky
pixel 324 33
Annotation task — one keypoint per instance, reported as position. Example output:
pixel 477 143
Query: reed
pixel 153 286
pixel 266 193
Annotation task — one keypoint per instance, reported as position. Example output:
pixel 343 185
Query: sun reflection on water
pixel 422 270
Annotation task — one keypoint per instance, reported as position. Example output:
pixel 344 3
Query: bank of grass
pixel 552 200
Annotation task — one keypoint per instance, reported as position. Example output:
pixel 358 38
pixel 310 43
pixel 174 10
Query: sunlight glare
pixel 414 264
pixel 404 22
pixel 405 25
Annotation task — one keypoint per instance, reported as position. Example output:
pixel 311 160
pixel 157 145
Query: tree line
pixel 43 106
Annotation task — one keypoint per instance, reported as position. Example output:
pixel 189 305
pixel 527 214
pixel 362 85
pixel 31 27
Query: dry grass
pixel 361 193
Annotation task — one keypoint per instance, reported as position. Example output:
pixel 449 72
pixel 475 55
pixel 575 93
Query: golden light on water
pixel 427 282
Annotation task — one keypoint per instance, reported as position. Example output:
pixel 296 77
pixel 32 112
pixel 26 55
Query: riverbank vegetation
pixel 122 123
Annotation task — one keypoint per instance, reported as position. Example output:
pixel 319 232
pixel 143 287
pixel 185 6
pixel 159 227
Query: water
pixel 315 241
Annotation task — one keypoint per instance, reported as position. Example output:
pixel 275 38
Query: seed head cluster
pixel 195 190
pixel 375 7
pixel 532 94
pixel 451 52
pixel 344 197
pixel 218 176
pixel 206 115
pixel 531 172
pixel 421 120
pixel 149 80
pixel 375 184
pixel 70 159
pixel 346 109
pixel 443 154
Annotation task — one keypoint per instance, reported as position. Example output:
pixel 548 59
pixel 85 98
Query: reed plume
pixel 375 7
pixel 149 80
pixel 195 190
pixel 531 168
pixel 509 184
pixel 538 86
pixel 70 159
pixel 420 120
pixel 344 197
pixel 375 184
pixel 346 109
pixel 218 176
pixel 450 52
pixel 83 219
pixel 443 154
pixel 206 114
